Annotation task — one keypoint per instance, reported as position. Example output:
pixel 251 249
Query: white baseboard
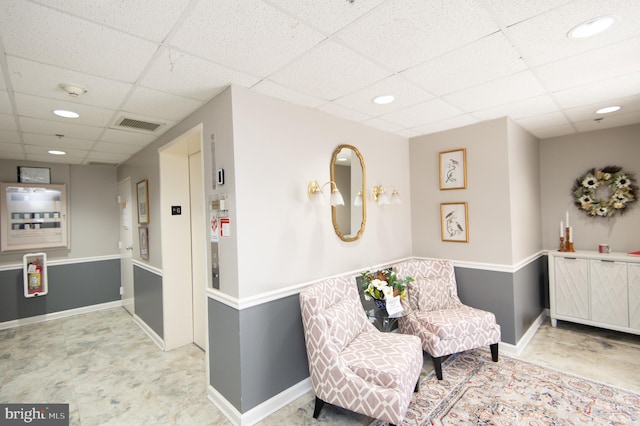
pixel 61 314
pixel 149 331
pixel 518 348
pixel 261 411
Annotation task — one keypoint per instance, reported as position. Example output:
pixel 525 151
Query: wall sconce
pixel 357 201
pixel 314 190
pixel 380 196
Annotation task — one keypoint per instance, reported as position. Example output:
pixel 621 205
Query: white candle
pixel 571 234
pixel 566 214
pixel 561 229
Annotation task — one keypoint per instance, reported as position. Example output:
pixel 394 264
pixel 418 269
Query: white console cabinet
pixel 596 289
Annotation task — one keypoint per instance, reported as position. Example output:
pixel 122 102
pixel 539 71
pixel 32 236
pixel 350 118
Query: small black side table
pixel 383 321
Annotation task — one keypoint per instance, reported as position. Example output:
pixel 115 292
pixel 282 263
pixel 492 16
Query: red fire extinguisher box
pixel 34 272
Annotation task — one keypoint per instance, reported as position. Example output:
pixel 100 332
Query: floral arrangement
pixel 616 181
pixel 384 284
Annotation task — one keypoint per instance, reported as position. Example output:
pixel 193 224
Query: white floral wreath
pixel 620 184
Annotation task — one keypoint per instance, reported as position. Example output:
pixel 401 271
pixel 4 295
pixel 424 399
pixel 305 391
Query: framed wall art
pixel 34 174
pixel 143 233
pixel 142 189
pixel 453 169
pixel 455 222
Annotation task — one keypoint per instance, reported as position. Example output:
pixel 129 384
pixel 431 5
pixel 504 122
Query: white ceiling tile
pixel 124 137
pixel 328 16
pixel 330 71
pixel 542 121
pixel 406 94
pixel 36 107
pixel 44 80
pixel 7 122
pixel 3 85
pixel 40 33
pixel 405 33
pixel 553 132
pixel 159 104
pixel 107 157
pixel 48 127
pixel 588 112
pixel 7 136
pixel 150 19
pixel 10 147
pixel 529 107
pixel 274 90
pixel 595 65
pixel 513 11
pixel 117 148
pixel 250 35
pixel 381 124
pixel 543 39
pixel 185 75
pixel 506 90
pixel 421 114
pixel 484 60
pixel 48 158
pixel 619 87
pixel 450 123
pixel 61 143
pixel 342 112
pixel 43 150
pixel 623 119
pixel 5 103
pixel 409 133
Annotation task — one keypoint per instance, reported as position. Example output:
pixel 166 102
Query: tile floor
pixel 111 373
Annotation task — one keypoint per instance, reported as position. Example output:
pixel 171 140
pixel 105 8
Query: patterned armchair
pixel 444 325
pixel 351 363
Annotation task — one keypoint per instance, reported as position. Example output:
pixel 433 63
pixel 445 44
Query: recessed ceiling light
pixel 65 113
pixel 609 109
pixel 384 99
pixel 591 27
pixel 56 152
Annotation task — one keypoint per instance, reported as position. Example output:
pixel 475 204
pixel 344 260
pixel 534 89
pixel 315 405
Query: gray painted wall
pixel 225 373
pixel 147 293
pixel 71 286
pixel 515 298
pixel 491 291
pixel 528 300
pixel 273 356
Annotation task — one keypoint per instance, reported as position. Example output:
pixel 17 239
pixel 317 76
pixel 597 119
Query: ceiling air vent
pixel 132 123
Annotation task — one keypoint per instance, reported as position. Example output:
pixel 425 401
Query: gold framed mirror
pixel 349 173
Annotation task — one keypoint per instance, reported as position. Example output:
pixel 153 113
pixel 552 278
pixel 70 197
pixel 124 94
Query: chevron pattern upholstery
pixel 442 322
pixel 351 363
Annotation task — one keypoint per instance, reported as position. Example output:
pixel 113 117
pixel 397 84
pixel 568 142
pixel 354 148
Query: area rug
pixel 477 391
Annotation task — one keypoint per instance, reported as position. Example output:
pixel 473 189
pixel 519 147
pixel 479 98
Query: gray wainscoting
pixel 147 293
pixel 516 299
pixel 71 286
pixel 261 351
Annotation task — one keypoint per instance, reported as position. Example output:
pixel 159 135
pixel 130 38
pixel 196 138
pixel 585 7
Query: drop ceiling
pixel 448 64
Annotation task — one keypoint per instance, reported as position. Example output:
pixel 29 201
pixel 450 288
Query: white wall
pixel 524 192
pixel 487 193
pixel 566 158
pixel 284 240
